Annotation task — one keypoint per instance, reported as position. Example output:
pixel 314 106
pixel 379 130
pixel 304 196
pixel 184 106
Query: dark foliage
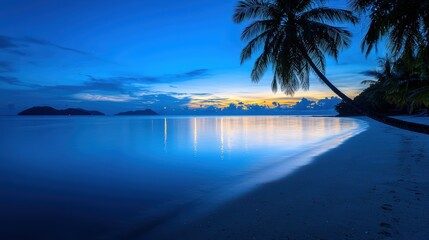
pixel 399 87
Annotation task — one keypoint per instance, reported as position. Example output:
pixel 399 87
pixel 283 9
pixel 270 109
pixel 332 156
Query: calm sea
pixel 121 177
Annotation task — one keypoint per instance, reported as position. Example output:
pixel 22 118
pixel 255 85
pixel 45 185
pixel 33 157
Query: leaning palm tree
pixel 293 37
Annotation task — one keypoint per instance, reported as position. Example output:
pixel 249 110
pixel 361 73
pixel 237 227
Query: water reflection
pixel 195 136
pixel 238 134
pixel 165 134
pixel 77 173
pixel 221 139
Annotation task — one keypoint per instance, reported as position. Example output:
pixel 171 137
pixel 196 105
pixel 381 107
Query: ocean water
pixel 122 177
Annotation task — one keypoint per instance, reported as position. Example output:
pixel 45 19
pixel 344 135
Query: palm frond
pixel 250 9
pixel 274 84
pixel 324 14
pixel 403 23
pixel 360 5
pixel 260 67
pixel 328 38
pixel 368 82
pixel 253 46
pixel 256 28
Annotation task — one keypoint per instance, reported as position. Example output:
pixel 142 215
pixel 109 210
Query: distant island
pixel 40 111
pixel 137 113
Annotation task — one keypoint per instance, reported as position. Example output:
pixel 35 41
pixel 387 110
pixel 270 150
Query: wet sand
pixel 374 186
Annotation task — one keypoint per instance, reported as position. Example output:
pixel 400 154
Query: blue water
pixel 104 177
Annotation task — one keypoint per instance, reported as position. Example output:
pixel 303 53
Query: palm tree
pixel 294 36
pixel 398 86
pixel 406 26
pixel 405 23
pixel 408 86
pixel 375 94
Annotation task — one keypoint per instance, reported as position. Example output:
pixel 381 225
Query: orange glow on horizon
pixel 223 101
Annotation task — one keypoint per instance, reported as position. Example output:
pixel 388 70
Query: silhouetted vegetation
pixel 400 87
pixel 402 84
pixel 405 24
pixel 293 37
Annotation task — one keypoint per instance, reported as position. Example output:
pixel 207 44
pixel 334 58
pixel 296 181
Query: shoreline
pixel 192 209
pixel 373 186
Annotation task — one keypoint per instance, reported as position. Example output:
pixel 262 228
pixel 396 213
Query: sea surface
pixel 126 177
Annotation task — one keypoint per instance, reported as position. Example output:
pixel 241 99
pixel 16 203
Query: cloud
pixel 47 43
pixel 16 82
pixel 7 42
pixel 327 103
pixel 105 102
pixel 88 85
pixel 200 94
pixel 168 78
pixel 132 86
pixel 304 104
pixel 193 74
pixel 322 104
pixel 11 44
pixel 104 98
pixel 18 52
pixel 9 80
pixel 114 85
pixel 166 104
pixel 233 107
pixel 124 79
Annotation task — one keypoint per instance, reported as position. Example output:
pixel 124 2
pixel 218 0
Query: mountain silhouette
pixel 137 113
pixel 45 110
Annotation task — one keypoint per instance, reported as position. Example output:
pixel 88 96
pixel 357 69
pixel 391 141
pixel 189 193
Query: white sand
pixel 374 186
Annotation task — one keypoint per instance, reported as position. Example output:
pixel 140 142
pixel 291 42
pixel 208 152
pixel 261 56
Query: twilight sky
pixel 115 55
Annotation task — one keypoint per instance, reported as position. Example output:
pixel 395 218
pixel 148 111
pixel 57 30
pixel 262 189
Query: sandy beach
pixel 373 186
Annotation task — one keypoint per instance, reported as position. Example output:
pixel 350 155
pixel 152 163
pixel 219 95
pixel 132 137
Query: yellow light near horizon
pixel 207 101
pixel 262 99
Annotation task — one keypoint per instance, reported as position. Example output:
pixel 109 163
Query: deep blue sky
pixel 121 55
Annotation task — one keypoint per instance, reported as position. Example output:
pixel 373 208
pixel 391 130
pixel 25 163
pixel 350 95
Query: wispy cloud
pixel 115 89
pixel 112 85
pixel 131 85
pixel 47 43
pixel 120 80
pixel 104 98
pixel 9 80
pixel 167 78
pixel 193 74
pixel 88 85
pixel 11 44
pixel 7 42
pixel 16 82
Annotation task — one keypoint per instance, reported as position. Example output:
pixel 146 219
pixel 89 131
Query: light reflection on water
pixel 88 177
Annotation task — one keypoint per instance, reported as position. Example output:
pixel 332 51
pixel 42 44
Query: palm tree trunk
pixel 415 127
